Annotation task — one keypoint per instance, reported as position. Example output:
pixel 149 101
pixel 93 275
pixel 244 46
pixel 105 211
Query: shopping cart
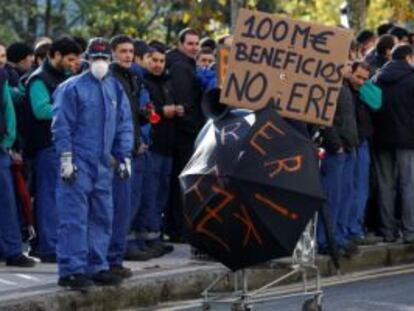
pixel 303 263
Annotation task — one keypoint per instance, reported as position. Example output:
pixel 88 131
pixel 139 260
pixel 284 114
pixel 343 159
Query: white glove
pixel 124 169
pixel 67 168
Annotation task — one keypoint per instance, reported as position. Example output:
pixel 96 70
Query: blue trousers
pixel 332 171
pixel 47 168
pixel 361 191
pixel 10 235
pixel 121 220
pixel 162 168
pixel 156 191
pixel 347 199
pixel 143 202
pixel 85 213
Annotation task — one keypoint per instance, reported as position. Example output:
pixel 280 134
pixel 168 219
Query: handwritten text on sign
pixel 295 65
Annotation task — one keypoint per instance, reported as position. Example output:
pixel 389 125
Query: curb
pixel 149 288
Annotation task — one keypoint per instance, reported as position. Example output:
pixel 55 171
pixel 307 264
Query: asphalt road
pixel 385 290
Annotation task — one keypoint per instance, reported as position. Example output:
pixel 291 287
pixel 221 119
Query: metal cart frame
pixel 303 262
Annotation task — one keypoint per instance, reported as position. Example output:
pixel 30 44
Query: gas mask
pixel 99 68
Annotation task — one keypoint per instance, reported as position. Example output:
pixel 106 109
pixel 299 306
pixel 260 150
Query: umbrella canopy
pixel 250 188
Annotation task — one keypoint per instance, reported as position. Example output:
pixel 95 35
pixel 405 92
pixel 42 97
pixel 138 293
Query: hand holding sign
pixel 294 65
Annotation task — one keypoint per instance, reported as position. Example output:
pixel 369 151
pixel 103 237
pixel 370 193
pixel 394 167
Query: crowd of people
pixel 368 171
pixel 93 138
pixel 94 135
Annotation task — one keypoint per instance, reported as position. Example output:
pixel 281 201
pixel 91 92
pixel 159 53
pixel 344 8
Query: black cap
pixel 98 47
pixel 18 51
pixel 384 28
pixel 141 48
pixel 208 42
pixel 398 32
pixel 364 36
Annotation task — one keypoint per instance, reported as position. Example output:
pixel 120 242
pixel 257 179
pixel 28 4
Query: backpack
pixel 371 95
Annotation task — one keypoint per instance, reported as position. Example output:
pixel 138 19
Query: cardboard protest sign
pixel 223 54
pixel 295 65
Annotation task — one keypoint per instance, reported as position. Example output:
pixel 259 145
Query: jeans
pixel 395 168
pixel 361 191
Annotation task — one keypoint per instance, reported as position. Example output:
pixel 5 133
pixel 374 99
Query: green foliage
pixel 162 19
pixel 320 11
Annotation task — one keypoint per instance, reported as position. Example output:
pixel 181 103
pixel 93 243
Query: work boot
pixel 21 261
pixel 121 271
pixel 106 278
pixel 76 282
pixel 138 255
pixel 160 249
pixel 349 251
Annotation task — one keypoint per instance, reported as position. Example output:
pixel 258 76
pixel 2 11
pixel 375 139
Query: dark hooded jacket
pixel 129 83
pixel 394 122
pixel 376 62
pixel 163 132
pixel 343 133
pixel 187 91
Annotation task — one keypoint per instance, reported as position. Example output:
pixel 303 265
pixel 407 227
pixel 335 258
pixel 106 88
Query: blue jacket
pixel 208 78
pixel 92 119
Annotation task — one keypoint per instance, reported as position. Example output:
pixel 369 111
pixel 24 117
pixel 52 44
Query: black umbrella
pixel 250 188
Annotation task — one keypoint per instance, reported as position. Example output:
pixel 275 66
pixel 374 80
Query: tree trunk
pixel 48 17
pixel 357 14
pixel 30 31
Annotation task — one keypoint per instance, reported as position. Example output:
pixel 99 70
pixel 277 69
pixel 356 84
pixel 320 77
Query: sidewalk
pixel 174 276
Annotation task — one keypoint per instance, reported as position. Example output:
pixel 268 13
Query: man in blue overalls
pixel 92 128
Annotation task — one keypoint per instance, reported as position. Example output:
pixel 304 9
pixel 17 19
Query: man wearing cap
pixel 92 126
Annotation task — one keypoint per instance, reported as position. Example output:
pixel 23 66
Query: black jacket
pixel 363 118
pixel 343 133
pixel 14 74
pixel 129 83
pixel 375 62
pixel 36 132
pixel 394 122
pixel 187 92
pixel 162 134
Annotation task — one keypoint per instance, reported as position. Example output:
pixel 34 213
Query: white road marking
pixel 27 277
pixel 3 281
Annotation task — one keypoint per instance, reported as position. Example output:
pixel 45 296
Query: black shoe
pixel 159 250
pixel 121 271
pixel 48 259
pixel 323 251
pixel 350 250
pixel 34 253
pixel 106 278
pixel 76 282
pixel 138 255
pixel 21 261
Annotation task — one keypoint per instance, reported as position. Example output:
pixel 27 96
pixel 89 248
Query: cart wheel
pixel 313 304
pixel 241 307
